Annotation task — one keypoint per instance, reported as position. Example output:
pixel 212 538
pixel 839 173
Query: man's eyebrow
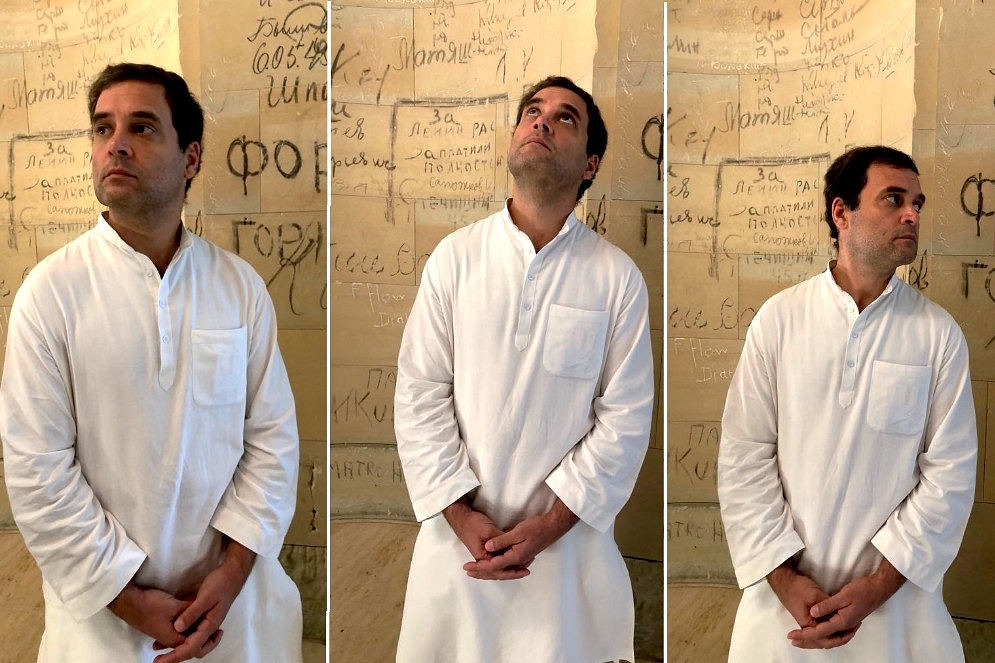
pixel 570 108
pixel 531 102
pixel 137 115
pixel 897 189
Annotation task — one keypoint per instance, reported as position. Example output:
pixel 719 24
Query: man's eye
pixel 100 130
pixel 893 199
pixel 917 206
pixel 567 117
pixel 143 129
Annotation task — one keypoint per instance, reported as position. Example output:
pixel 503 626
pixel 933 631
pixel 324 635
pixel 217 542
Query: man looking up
pixel 522 413
pixel 149 435
pixel 848 450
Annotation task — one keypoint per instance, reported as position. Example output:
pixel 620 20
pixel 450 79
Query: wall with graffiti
pixel 423 106
pixel 259 70
pixel 762 97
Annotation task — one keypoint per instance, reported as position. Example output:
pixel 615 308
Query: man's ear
pixel 840 214
pixel 592 166
pixel 192 154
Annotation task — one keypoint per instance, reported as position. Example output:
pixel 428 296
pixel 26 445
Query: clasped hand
pixel 188 626
pixel 505 555
pixel 828 621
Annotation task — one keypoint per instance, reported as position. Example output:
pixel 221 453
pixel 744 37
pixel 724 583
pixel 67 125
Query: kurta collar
pixel 567 226
pixel 106 231
pixel 893 283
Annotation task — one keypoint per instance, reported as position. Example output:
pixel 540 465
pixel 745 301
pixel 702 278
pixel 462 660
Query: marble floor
pixel 22 614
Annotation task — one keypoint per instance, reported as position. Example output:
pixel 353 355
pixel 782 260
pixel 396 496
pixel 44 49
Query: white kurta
pixel 142 418
pixel 846 437
pixel 523 377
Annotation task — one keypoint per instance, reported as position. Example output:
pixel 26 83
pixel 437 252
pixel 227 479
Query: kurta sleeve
pixel 597 475
pixel 259 503
pixel 84 553
pixel 757 519
pixel 922 536
pixel 433 455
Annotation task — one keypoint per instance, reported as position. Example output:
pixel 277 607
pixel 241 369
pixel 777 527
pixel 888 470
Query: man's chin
pixel 112 196
pixel 907 258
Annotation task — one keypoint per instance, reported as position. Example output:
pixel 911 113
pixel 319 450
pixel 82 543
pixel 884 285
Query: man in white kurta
pixel 848 449
pixel 148 426
pixel 525 380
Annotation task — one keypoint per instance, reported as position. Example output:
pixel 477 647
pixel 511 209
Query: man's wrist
pixel 455 511
pixel 126 597
pixel 239 559
pixel 560 518
pixel 887 578
pixel 782 574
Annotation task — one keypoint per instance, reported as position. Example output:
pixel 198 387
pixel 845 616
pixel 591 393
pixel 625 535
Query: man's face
pixel 138 167
pixel 549 145
pixel 883 232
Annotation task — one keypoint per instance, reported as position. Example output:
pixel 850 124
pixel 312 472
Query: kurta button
pixel 528 307
pixel 532 277
pixel 849 364
pixel 165 339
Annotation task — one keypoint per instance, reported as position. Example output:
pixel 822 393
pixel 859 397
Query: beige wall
pixel 411 78
pixel 274 217
pixel 762 98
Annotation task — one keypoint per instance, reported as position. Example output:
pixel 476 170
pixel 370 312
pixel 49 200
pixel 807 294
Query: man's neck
pixel 157 240
pixel 863 285
pixel 540 219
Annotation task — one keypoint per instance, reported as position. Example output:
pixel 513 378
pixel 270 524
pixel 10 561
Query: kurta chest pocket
pixel 899 398
pixel 575 342
pixel 219 366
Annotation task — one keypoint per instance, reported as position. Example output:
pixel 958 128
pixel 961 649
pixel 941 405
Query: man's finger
pixel 828 606
pixel 502 541
pixel 507 559
pixel 513 573
pixel 190 616
pixel 211 643
pixel 498 568
pixel 489 565
pixel 831 642
pixel 823 630
pixel 191 647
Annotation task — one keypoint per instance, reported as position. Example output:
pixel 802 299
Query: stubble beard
pixel 902 254
pixel 135 200
pixel 538 174
pixel 884 260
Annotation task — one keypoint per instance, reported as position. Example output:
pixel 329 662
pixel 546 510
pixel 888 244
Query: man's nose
pixel 119 144
pixel 541 123
pixel 911 215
